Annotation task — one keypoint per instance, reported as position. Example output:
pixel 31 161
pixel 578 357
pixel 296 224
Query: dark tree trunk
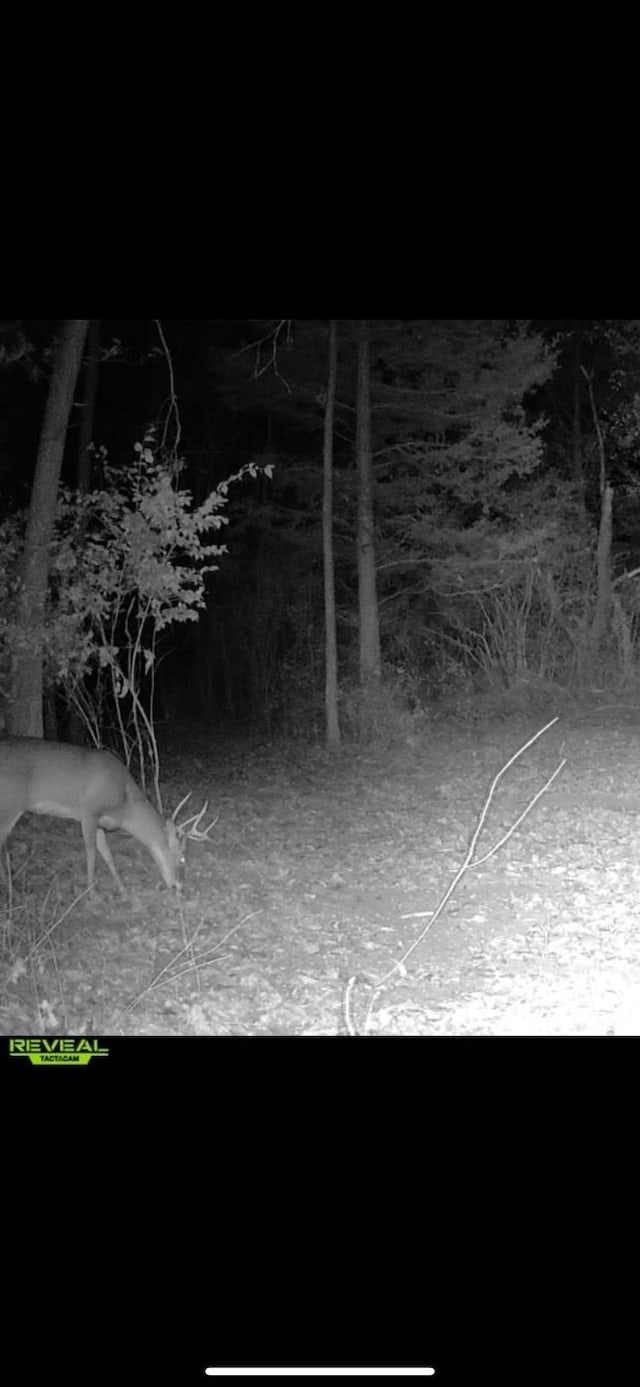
pixel 25 711
pixel 368 604
pixel 331 647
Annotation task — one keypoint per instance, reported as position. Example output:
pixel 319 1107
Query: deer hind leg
pixel 7 824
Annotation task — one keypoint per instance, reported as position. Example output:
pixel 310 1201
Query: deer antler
pixel 179 806
pixel 189 828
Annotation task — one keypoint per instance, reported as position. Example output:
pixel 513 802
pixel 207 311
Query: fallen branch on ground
pixel 466 866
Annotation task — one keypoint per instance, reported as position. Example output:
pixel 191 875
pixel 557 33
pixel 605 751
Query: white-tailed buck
pixel 95 789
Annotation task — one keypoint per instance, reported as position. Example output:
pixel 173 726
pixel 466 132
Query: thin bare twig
pixel 171 964
pixel 472 846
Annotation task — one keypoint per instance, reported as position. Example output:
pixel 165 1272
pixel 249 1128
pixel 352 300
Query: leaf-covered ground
pixel 323 869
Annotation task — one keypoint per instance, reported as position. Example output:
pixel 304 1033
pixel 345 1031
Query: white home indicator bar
pixel 320 1372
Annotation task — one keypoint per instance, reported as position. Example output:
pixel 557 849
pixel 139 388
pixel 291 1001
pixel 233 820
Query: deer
pixel 94 788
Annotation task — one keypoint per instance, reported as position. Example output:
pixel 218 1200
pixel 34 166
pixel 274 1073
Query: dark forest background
pixel 504 463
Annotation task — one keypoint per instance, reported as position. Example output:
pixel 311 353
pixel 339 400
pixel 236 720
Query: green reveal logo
pixel 59 1050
